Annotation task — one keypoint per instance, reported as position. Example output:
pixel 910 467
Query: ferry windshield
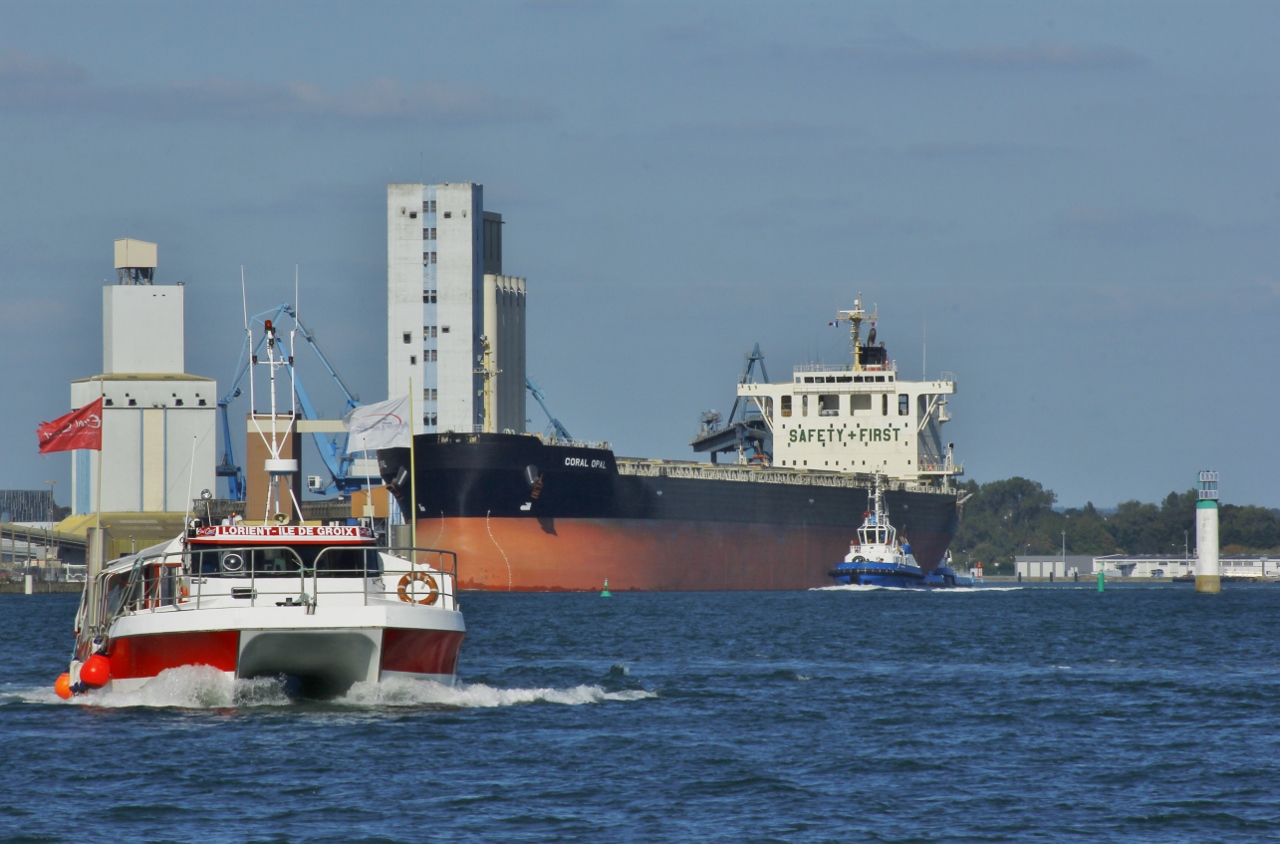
pixel 287 561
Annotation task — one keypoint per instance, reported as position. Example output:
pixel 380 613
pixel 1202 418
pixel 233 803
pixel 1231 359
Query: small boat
pixel 877 558
pixel 322 607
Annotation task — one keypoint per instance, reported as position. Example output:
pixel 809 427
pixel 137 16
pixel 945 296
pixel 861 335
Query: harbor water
pixel 1146 713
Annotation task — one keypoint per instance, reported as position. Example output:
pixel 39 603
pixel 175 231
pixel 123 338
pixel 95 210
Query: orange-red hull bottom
pixel 525 554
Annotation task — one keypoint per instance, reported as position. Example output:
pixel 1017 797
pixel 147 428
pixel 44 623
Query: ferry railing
pixel 279 576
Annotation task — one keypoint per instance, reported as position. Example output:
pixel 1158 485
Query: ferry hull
pixel 580 554
pixel 326 661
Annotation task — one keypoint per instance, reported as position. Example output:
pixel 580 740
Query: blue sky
pixel 1081 202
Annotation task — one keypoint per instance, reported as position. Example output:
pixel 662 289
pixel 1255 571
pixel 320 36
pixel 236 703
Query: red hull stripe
pixel 421 651
pixel 147 656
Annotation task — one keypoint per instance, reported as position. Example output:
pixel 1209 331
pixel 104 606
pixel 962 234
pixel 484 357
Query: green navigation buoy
pixel 1102 581
pixel 605 593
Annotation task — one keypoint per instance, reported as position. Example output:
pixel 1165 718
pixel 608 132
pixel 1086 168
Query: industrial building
pixel 158 422
pixel 455 323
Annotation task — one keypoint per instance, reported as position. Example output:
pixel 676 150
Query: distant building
pixel 447 296
pixel 1042 565
pixel 1150 565
pixel 27 506
pixel 158 423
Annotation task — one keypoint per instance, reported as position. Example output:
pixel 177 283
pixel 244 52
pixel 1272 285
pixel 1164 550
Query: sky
pixel 1073 207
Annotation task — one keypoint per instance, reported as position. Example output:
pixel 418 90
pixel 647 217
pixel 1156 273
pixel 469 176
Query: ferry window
pixel 859 402
pixel 408 337
pixel 804 405
pixel 923 406
pixel 448 214
pixel 828 405
pixel 884 405
pixel 786 405
pixel 413 360
pixel 767 401
pixel 904 405
pixel 413 215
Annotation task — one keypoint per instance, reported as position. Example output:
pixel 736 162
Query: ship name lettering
pixel 583 463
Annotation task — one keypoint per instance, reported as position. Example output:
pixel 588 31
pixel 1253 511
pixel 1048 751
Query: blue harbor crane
pixel 746 432
pixel 540 397
pixel 332 446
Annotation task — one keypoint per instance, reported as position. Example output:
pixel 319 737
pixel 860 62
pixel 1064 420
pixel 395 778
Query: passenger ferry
pixel 321 606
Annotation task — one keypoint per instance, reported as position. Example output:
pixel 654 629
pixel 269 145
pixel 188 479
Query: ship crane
pixel 540 397
pixel 332 447
pixel 747 434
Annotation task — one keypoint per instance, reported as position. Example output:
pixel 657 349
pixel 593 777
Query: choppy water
pixel 1036 714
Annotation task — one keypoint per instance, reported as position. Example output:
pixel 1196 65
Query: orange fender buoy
pixel 96 671
pixel 62 686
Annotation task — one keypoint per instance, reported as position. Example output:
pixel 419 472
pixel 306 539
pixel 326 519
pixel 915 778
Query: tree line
pixel 1004 519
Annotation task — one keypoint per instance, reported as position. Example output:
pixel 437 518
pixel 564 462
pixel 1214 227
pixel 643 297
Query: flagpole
pixel 413 476
pixel 97 515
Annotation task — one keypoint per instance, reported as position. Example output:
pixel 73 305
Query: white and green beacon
pixel 1208 577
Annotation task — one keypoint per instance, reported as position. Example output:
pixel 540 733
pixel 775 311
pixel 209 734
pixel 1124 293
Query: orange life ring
pixel 418 577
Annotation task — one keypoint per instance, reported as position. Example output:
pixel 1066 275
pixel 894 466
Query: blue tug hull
pixel 896 576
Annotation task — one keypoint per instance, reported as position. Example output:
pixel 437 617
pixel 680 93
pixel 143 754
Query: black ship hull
pixel 527 515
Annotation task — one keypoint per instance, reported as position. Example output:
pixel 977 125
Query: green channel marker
pixel 605 593
pixel 1102 581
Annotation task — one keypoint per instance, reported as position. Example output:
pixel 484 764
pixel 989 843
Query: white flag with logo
pixel 375 426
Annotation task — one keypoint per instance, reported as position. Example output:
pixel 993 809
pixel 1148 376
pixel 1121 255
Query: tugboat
pixel 322 607
pixel 877 558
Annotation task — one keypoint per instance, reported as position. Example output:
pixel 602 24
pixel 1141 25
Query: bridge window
pixel 859 402
pixel 786 405
pixel 904 405
pixel 828 405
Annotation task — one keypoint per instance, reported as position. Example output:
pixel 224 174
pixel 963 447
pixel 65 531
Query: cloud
pixel 757 130
pixel 1128 226
pixel 45 84
pixel 896 52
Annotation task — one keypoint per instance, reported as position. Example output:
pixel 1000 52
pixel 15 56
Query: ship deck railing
pixel 891 366
pixel 221 577
pixel 757 474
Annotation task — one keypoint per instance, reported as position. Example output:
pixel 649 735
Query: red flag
pixel 78 429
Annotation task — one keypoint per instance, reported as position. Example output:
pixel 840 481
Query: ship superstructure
pixel 859 416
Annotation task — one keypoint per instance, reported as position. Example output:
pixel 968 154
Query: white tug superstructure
pixel 859 417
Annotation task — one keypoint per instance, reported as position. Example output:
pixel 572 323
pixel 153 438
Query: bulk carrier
pixel 536 513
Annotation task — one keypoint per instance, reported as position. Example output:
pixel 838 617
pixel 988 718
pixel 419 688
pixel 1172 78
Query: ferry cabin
pixel 859 418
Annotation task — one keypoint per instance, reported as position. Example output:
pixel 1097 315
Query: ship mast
pixel 855 318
